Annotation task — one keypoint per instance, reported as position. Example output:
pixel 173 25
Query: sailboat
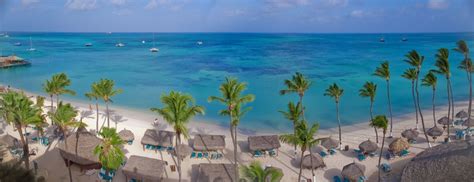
pixel 154 49
pixel 31 46
pixel 88 44
pixel 17 44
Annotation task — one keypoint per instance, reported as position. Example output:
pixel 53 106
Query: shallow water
pixel 262 60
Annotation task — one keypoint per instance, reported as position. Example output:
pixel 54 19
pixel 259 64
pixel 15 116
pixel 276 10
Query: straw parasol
pixel 144 168
pixel 410 134
pixel 368 146
pixel 444 121
pixel 435 132
pixel 268 142
pixel 462 114
pixel 353 171
pixel 158 138
pixel 329 143
pixel 86 142
pixel 453 161
pixel 183 150
pixel 468 122
pixel 398 145
pixel 216 172
pixel 126 135
pixel 318 161
pixel 9 141
pixel 209 142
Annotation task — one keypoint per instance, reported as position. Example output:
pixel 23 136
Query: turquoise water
pixel 262 60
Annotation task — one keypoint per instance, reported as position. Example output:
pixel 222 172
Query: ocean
pixel 264 61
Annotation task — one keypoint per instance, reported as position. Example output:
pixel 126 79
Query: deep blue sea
pixel 261 60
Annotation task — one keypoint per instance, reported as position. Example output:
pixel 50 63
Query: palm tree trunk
pixel 449 104
pixel 302 107
pixel 414 102
pixel 107 109
pixel 451 107
pixel 97 116
pixel 178 141
pixel 372 118
pixel 311 160
pixel 421 114
pixel 69 170
pixel 51 110
pixel 235 154
pixel 470 102
pixel 294 133
pixel 301 164
pixel 339 125
pixel 389 107
pixel 434 106
pixel 381 151
pixel 57 99
pixel 26 151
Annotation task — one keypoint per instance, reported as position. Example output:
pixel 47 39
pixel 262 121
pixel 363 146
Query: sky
pixel 301 16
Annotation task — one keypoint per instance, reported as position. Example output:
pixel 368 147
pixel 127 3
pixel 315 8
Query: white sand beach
pixel 53 168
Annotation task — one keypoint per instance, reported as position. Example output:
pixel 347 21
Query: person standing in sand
pixel 155 122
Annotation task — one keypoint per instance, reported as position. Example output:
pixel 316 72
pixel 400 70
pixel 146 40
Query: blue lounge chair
pixel 357 151
pixel 170 148
pixel 361 157
pixel 386 167
pixel 362 178
pixel 45 141
pixel 373 154
pixel 346 180
pixel 323 154
pixel 199 155
pixel 336 179
pixel 148 147
pixel 404 153
pixel 272 153
pixel 332 151
pixel 219 155
pixel 205 155
pixel 193 155
pixel 130 142
pixel 132 180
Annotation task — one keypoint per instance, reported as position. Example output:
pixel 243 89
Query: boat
pixel 382 40
pixel 17 44
pixel 404 39
pixel 119 45
pixel 143 42
pixel 154 49
pixel 6 36
pixel 199 42
pixel 88 44
pixel 31 46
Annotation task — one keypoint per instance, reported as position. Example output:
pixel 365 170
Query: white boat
pixel 120 45
pixel 382 39
pixel 88 44
pixel 31 46
pixel 143 42
pixel 199 42
pixel 17 44
pixel 6 36
pixel 154 49
pixel 404 39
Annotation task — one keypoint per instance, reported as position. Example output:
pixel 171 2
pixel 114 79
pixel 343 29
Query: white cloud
pixel 334 3
pixel 28 2
pixel 81 4
pixel 358 13
pixel 236 12
pixel 172 4
pixel 437 4
pixel 286 3
pixel 118 2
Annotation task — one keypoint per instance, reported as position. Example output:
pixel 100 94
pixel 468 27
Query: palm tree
pixel 293 114
pixel 256 173
pixel 335 92
pixel 58 86
pixel 442 63
pixel 369 90
pixel 64 117
pixel 15 172
pixel 384 72
pixel 430 80
pixel 411 75
pixel 178 110
pixel 19 111
pixel 380 121
pixel 416 60
pixel 304 138
pixel 94 94
pixel 49 87
pixel 466 64
pixel 298 84
pixel 233 99
pixel 111 157
pixel 105 89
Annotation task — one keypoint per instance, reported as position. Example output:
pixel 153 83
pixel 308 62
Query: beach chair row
pixel 206 155
pixel 260 153
pixel 159 148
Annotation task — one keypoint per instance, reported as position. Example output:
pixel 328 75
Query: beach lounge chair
pixel 213 156
pixel 219 155
pixel 45 141
pixel 404 153
pixel 130 142
pixel 357 151
pixel 336 179
pixel 199 155
pixel 193 155
pixel 362 178
pixel 205 155
pixel 361 157
pixel 148 147
pixel 346 180
pixel 332 151
pixel 170 148
pixel 272 153
pixel 460 134
pixel 323 154
pixel 132 180
pixel 373 154
pixel 257 153
pixel 386 167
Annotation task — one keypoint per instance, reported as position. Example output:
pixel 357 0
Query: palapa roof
pixel 435 131
pixel 444 121
pixel 216 173
pixel 9 141
pixel 468 122
pixel 410 134
pixel 446 162
pixel 398 145
pixel 353 171
pixel 462 114
pixel 183 150
pixel 144 168
pixel 329 143
pixel 368 146
pixel 209 142
pixel 266 142
pixel 126 135
pixel 318 161
pixel 158 138
pixel 86 142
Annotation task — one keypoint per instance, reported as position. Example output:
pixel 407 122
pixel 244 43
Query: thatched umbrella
pixel 318 161
pixel 184 150
pixel 410 134
pixel 462 114
pixel 435 132
pixel 329 143
pixel 353 171
pixel 144 168
pixel 126 135
pixel 217 172
pixel 203 142
pixel 368 146
pixel 86 142
pixel 468 123
pixel 444 121
pixel 453 161
pixel 398 145
pixel 264 142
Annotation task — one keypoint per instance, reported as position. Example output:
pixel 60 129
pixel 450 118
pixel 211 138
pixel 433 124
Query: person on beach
pixel 155 122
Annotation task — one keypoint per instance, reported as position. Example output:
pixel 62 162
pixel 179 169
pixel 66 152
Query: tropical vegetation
pixel 256 173
pixel 369 90
pixel 336 92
